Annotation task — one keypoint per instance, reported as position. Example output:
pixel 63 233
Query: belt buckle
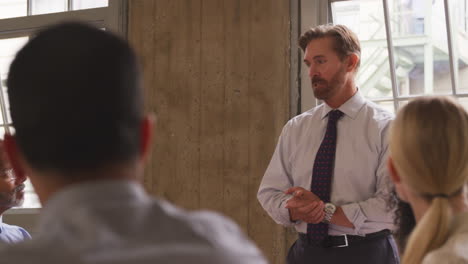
pixel 346 241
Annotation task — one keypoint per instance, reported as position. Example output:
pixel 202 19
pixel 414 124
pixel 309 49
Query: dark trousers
pixel 378 250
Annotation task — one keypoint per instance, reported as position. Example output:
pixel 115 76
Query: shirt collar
pixel 350 108
pixel 87 194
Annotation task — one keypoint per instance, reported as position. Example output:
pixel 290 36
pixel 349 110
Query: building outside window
pixel 423 43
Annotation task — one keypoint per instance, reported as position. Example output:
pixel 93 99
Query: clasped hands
pixel 305 205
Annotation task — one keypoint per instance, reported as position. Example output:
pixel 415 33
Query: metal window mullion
pixel 70 5
pixel 391 57
pixel 450 48
pixel 326 13
pixel 117 16
pixel 29 8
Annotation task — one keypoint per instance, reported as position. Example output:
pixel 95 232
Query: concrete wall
pixel 216 74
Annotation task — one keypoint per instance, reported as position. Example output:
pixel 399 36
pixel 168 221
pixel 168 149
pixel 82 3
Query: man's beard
pixel 13 198
pixel 328 89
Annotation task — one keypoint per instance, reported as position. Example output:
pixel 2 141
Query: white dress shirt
pixel 360 183
pixel 117 222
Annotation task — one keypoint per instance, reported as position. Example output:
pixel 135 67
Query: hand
pixel 313 213
pixel 305 205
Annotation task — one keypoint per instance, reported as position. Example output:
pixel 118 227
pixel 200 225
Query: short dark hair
pixel 345 41
pixel 75 97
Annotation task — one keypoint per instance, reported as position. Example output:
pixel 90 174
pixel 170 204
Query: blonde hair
pixel 429 149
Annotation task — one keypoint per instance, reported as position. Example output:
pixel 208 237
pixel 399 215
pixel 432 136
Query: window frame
pixel 113 18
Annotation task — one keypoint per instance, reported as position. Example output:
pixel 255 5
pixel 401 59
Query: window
pixel 19 19
pixel 409 47
pixel 8 49
pixel 462 15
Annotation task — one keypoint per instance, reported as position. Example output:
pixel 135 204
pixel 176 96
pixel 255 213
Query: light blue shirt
pixel 360 183
pixel 117 222
pixel 11 233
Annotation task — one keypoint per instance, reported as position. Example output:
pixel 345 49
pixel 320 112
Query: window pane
pixel 8 49
pixel 13 8
pixel 402 103
pixel 48 6
pixel 388 105
pixel 366 19
pixel 421 47
pixel 464 102
pixel 84 4
pixel 462 76
pixel 30 197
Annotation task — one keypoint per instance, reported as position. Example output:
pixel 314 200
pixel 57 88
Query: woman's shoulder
pixel 454 251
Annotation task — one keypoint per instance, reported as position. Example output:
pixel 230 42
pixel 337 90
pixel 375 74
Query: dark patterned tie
pixel 323 172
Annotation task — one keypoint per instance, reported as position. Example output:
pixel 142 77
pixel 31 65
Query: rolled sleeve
pixel 285 218
pixel 276 180
pixel 355 215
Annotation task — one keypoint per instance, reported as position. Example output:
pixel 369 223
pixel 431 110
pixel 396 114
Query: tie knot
pixel 334 115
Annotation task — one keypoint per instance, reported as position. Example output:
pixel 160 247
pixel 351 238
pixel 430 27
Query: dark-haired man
pixel 11 195
pixel 82 137
pixel 328 175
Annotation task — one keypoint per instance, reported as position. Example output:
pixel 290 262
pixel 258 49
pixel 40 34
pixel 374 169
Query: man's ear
pixel 353 60
pixel 14 156
pixel 146 137
pixel 396 179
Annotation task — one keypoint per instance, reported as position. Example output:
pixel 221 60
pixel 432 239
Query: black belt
pixel 343 240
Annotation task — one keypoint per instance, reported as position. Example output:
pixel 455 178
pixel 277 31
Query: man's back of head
pixel 76 102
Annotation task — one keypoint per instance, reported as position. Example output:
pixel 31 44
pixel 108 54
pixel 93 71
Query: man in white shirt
pixel 11 195
pixel 82 138
pixel 328 175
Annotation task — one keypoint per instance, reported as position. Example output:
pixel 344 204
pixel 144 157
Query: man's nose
pixel 313 72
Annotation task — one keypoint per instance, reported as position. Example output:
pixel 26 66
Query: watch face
pixel 329 207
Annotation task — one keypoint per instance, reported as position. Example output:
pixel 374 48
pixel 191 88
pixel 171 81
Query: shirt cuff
pixel 285 217
pixel 355 215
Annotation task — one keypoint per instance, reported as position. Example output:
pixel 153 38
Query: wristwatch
pixel 329 211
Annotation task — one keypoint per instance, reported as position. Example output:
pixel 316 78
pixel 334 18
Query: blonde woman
pixel 429 165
